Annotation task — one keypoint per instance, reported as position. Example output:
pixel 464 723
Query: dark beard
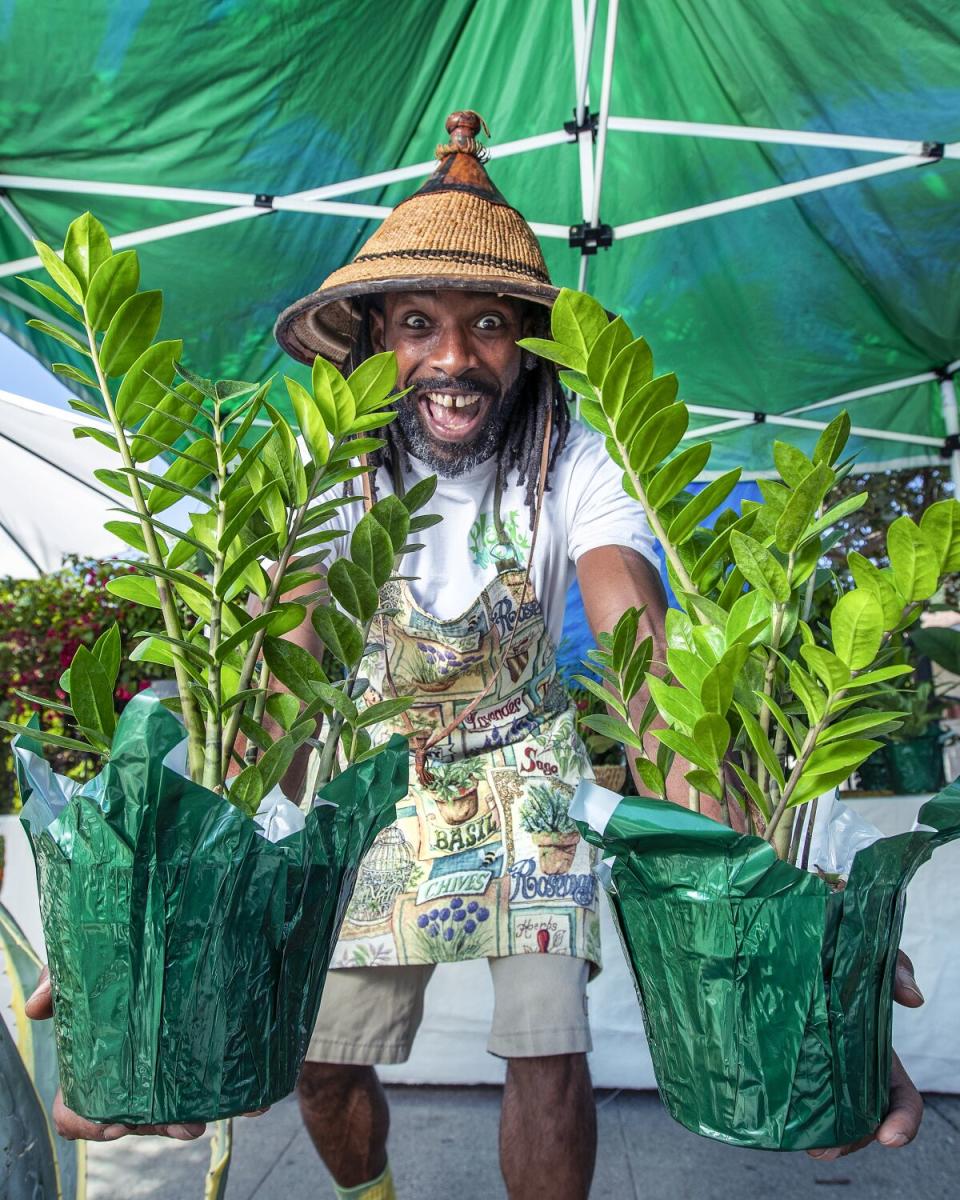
pixel 457 458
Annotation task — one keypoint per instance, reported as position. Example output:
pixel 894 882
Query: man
pixel 450 282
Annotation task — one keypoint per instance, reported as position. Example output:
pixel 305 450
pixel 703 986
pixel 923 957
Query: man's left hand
pixel 900 1125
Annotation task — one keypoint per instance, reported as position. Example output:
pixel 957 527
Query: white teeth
pixel 447 401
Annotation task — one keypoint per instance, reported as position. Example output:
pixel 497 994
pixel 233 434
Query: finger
pixel 73 1127
pixel 187 1132
pixel 905 990
pixel 39 1007
pixel 835 1152
pixel 903 1119
pixel 256 1112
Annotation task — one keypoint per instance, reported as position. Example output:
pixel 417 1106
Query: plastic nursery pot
pixel 188 943
pixel 917 765
pixel 766 994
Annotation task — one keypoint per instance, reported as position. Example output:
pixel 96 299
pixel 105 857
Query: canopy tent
pixel 778 182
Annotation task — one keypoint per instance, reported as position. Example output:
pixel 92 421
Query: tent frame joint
pixel 945 374
pixel 951 445
pixel 933 151
pixel 759 418
pixel 263 200
pixel 589 123
pixel 591 237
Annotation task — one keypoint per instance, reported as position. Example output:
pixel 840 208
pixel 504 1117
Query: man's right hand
pixel 71 1125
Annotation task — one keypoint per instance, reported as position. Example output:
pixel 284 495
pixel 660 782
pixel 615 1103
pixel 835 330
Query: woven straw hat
pixel 456 231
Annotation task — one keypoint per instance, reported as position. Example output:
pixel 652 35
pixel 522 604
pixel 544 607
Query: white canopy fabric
pixel 51 504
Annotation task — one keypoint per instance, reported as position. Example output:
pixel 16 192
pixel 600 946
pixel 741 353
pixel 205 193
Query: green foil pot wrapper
pixel 766 994
pixel 188 942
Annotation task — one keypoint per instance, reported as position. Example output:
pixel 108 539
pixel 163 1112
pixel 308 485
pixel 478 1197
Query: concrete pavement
pixel 443 1146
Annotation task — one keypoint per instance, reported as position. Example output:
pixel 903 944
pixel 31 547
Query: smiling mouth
pixel 453 416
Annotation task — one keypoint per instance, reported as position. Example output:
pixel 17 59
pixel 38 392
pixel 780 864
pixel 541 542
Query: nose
pixel 453 352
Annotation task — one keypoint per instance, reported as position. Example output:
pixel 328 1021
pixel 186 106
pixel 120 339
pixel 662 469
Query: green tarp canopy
pixel 780 180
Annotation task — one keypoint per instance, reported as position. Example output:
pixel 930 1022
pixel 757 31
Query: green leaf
pixel 353 589
pixel 829 765
pixel 871 579
pixel 792 463
pixel 295 667
pixel 750 619
pixel 700 506
pixel 651 777
pixel 246 790
pixel 831 442
pixel 106 649
pixel 866 722
pixel 333 397
pixel 782 720
pixel 339 634
pixel 52 296
pixel 98 435
pixel 675 704
pixel 880 675
pixel 593 415
pixel 759 567
pixel 857 627
pixel 283 708
pixel 752 789
pixel 384 710
pixel 59 335
pixel 761 744
pixel 164 422
pixel 577 320
pixel 579 385
pixel 687 668
pixel 642 406
pixel 940 525
pixel 420 494
pixel 686 747
pixel 275 762
pixel 244 565
pixel 837 513
pixel 393 515
pixel 829 669
pixel 86 247
pixel 373 382
pixel 628 375
pixel 603 694
pixel 658 437
pixel 705 781
pixel 914 561
pixel 50 739
pixel 942 646
pixel 130 332
pixel 372 550
pixel 616 336
pixel 69 372
pixel 143 385
pixel 310 420
pixel 91 696
pixel 115 281
pixel 800 510
pixel 59 272
pixel 136 588
pixel 674 475
pixel 808 692
pixel 614 728
pixel 712 733
pixel 716 693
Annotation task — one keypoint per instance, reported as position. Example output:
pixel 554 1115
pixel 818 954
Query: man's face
pixel 458 352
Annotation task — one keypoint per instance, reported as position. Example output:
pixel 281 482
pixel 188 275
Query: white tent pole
pixel 582 46
pixel 731 416
pixel 35 310
pixel 17 217
pixel 862 393
pixel 586 52
pixel 951 421
pixel 788 137
pixel 610 45
pixel 783 191
pixel 719 427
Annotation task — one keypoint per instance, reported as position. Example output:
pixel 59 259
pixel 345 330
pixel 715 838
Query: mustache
pixel 449 383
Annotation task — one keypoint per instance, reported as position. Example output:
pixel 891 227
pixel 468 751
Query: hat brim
pixel 325 321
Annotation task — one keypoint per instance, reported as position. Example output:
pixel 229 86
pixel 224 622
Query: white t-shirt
pixel 586 507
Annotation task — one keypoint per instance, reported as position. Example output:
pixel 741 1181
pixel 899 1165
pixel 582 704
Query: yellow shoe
pixel 380 1188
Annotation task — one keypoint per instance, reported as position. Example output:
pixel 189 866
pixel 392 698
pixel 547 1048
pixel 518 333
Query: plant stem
pixel 171 617
pixel 673 556
pixel 213 775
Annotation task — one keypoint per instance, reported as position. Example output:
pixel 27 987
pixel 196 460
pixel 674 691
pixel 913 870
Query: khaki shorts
pixel 370 1015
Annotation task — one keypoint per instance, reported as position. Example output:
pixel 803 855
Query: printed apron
pixel 485 861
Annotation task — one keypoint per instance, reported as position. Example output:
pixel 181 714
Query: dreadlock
pixel 522 445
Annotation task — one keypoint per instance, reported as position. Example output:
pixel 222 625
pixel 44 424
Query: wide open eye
pixel 414 320
pixel 490 321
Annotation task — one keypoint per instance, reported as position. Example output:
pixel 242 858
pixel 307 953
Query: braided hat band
pixel 456 232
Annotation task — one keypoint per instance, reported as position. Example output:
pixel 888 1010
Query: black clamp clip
pixel 951 444
pixel 759 418
pixel 263 200
pixel 932 150
pixel 590 122
pixel 590 237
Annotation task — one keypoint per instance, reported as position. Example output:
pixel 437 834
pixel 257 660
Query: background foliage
pixel 42 622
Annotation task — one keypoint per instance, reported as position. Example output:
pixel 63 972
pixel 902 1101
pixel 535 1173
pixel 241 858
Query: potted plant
pixel 544 815
pixel 189 908
pixel 454 788
pixel 767 980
